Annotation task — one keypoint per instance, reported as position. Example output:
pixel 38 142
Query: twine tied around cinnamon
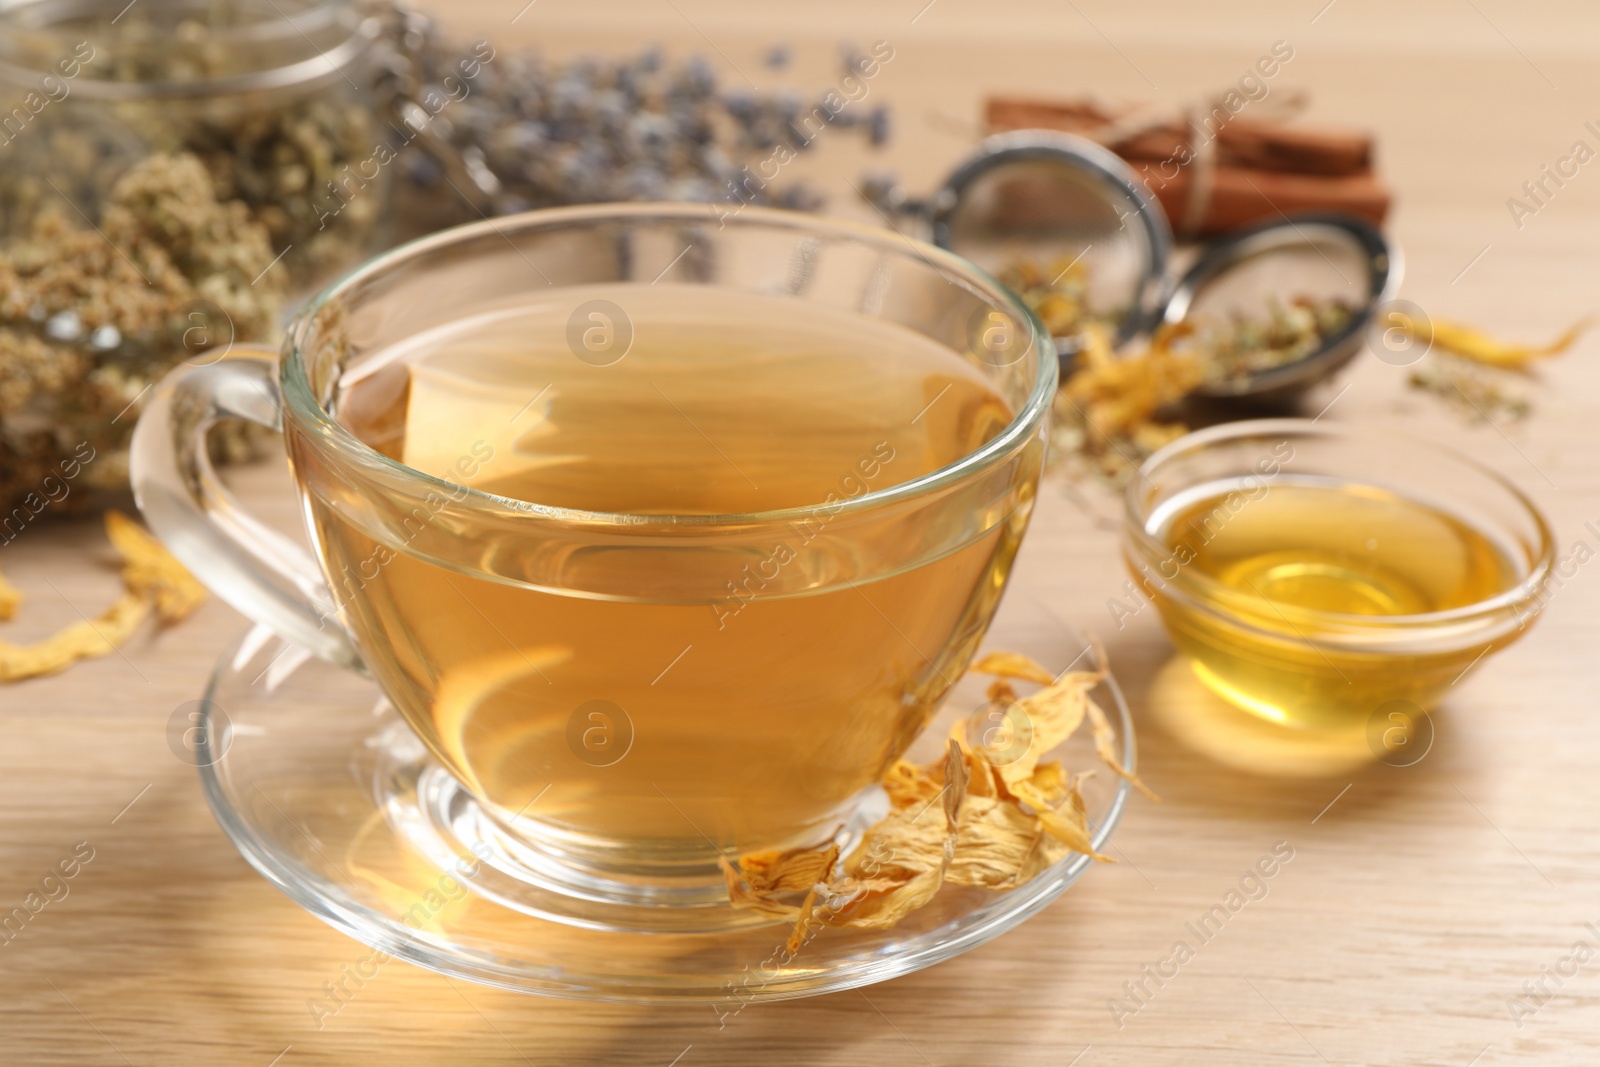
pixel 1201 143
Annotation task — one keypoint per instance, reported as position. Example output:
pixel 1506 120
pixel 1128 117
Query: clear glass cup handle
pixel 259 571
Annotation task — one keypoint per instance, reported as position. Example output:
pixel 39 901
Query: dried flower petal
pixel 1001 691
pixel 899 846
pixel 1117 395
pixel 1054 714
pixel 10 598
pixel 150 570
pixel 1480 347
pixel 996 845
pixel 741 895
pixel 1002 825
pixel 802 922
pixel 909 785
pixel 955 783
pixel 1050 784
pixel 788 871
pixel 153 579
pixel 1012 665
pixel 85 639
pixel 1105 743
pixel 884 903
pixel 983 779
pixel 1062 814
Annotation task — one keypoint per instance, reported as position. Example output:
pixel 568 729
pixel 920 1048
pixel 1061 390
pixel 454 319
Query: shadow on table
pixel 1195 749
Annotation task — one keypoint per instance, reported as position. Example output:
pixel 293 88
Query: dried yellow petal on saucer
pixel 1049 785
pixel 802 923
pixel 996 842
pixel 955 784
pixel 1001 824
pixel 909 785
pixel 740 895
pixel 1013 665
pixel 884 902
pixel 1000 691
pixel 789 871
pixel 1067 822
pixel 761 879
pixel 1058 784
pixel 1054 714
pixel 983 777
pixel 897 868
pixel 899 846
pixel 1105 743
pixel 1071 833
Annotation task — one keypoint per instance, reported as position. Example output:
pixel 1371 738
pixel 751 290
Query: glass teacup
pixel 665 532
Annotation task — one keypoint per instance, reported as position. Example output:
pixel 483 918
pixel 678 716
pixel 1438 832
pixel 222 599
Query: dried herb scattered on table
pixel 1233 347
pixel 1473 344
pixel 1475 372
pixel 1108 409
pixel 154 582
pixel 1476 393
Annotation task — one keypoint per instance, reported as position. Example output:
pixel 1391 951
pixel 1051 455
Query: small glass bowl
pixel 1314 669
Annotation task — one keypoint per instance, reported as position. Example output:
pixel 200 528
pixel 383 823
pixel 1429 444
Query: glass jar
pixel 279 99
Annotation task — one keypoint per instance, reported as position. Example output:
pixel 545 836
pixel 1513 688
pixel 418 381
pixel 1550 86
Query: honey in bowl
pixel 1313 598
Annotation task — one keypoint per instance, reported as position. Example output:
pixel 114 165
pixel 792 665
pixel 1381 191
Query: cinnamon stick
pixel 1239 141
pixel 1239 196
pixel 1260 171
pixel 1244 195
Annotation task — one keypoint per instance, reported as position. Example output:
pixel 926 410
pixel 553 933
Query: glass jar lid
pixel 151 49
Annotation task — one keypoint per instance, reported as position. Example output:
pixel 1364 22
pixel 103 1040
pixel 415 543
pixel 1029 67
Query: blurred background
pixel 1421 898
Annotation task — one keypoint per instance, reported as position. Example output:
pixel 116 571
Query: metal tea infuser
pixel 1053 197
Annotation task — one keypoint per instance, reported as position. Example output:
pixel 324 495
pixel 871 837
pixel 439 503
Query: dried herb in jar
pixel 280 104
pixel 90 318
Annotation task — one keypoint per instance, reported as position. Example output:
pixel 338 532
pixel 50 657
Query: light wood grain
pixel 1414 906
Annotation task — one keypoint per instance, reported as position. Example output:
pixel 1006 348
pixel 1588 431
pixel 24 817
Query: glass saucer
pixel 326 792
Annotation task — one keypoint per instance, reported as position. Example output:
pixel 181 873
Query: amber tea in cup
pixel 752 715
pixel 665 534
pixel 1317 574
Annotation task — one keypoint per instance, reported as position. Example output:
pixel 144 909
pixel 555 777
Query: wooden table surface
pixel 1419 901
